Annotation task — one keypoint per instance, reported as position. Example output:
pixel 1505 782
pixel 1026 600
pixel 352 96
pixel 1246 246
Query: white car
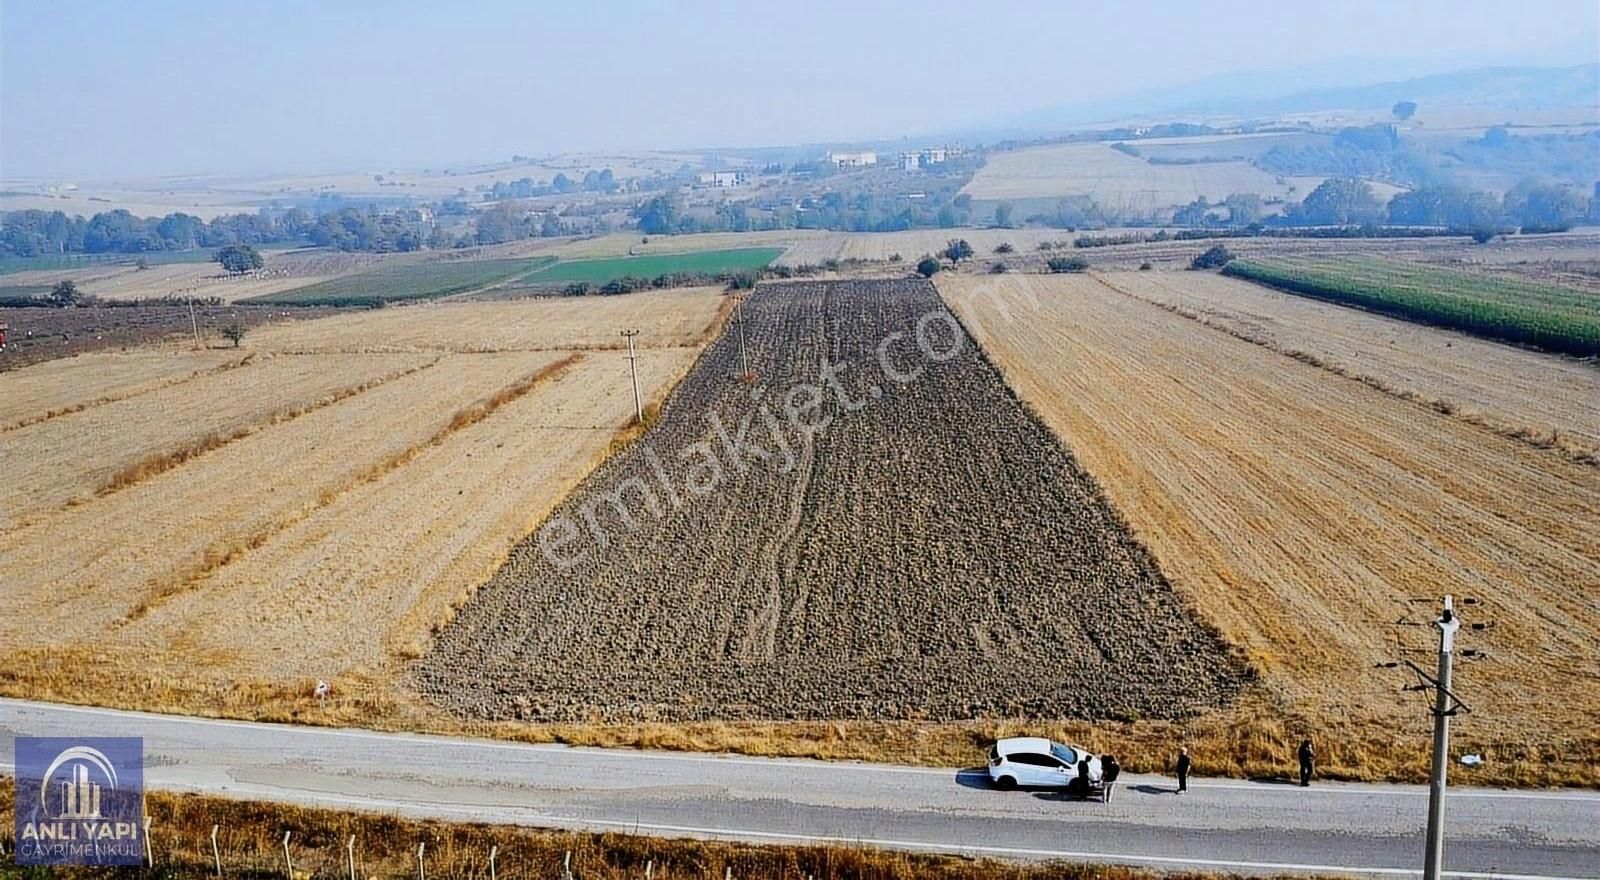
pixel 1035 762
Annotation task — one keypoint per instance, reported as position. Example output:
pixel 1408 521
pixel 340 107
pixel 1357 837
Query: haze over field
pixel 189 87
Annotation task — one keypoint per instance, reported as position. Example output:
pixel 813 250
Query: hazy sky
pixel 92 90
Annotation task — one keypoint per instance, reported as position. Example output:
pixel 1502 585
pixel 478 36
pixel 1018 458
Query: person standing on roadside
pixel 1183 770
pixel 1307 763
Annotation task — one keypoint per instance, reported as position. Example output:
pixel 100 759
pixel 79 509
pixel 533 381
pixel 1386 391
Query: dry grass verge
pixel 250 844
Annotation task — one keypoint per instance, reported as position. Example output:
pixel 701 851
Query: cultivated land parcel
pixel 1299 510
pixel 1154 505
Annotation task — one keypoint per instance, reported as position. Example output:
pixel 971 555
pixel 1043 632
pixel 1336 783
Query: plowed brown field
pixel 1300 510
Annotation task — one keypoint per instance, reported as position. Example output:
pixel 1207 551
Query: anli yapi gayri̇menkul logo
pixel 79 800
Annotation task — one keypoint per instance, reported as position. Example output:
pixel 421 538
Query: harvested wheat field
pixel 1118 181
pixel 104 448
pixel 1544 398
pixel 325 540
pixel 898 540
pixel 681 317
pixel 1298 511
pixel 68 385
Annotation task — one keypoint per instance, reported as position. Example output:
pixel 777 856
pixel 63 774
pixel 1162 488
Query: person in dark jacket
pixel 1307 763
pixel 1109 771
pixel 1183 770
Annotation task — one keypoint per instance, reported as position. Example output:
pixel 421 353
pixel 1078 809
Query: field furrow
pixel 67 385
pixel 109 557
pixel 107 447
pixel 679 317
pixel 1548 398
pixel 1300 510
pixel 367 576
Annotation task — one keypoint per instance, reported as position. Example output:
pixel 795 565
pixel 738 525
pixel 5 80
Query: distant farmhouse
pixel 723 178
pixel 853 160
pixel 917 159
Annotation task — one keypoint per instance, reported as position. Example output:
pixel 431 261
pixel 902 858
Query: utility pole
pixel 744 357
pixel 193 324
pixel 633 367
pixel 1444 706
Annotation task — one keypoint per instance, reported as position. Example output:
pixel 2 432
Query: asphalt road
pixel 1224 825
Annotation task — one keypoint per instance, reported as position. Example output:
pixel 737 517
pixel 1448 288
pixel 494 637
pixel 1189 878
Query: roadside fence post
pixel 216 854
pixel 422 873
pixel 350 855
pixel 149 854
pixel 566 866
pixel 493 851
pixel 288 863
pixel 649 869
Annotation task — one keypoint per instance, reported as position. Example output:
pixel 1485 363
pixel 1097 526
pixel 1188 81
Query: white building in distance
pixel 853 160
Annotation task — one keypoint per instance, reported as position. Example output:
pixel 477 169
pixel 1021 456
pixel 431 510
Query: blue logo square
pixel 79 800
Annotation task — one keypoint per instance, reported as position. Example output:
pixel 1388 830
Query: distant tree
pixel 1002 214
pixel 1339 201
pixel 1067 264
pixel 997 268
pixel 439 239
pixel 141 264
pixel 64 294
pixel 928 267
pixel 658 216
pixel 234 333
pixel 1215 257
pixel 957 250
pixel 1404 110
pixel 1243 208
pixel 1004 248
pixel 1545 206
pixel 238 259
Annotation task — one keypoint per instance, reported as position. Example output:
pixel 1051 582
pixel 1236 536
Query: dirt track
pixel 932 552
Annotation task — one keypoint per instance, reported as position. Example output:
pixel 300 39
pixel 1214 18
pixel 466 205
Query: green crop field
pixel 654 265
pixel 406 281
pixel 84 261
pixel 1546 316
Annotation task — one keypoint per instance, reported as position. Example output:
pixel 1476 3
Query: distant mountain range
pixel 1240 95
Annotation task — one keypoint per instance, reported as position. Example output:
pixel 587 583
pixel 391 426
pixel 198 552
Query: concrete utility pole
pixel 193 324
pixel 633 367
pixel 1444 706
pixel 744 357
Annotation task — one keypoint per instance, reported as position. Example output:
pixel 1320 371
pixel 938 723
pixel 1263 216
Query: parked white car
pixel 1036 762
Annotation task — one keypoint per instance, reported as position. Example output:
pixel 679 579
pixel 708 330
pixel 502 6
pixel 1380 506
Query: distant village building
pixel 853 160
pixel 910 161
pixel 723 178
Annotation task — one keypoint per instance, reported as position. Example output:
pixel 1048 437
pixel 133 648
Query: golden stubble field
pixel 301 509
pixel 1300 511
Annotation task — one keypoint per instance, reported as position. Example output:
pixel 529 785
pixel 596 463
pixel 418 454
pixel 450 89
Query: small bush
pixel 1004 248
pixel 1047 245
pixel 1483 236
pixel 894 258
pixel 997 268
pixel 1145 266
pixel 928 267
pixel 1067 264
pixel 234 333
pixel 578 288
pixel 1215 257
pixel 957 250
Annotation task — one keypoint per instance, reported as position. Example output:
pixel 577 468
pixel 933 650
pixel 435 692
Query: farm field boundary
pixel 1538 425
pixel 1300 511
pixel 1545 316
pixel 601 271
pixel 407 281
